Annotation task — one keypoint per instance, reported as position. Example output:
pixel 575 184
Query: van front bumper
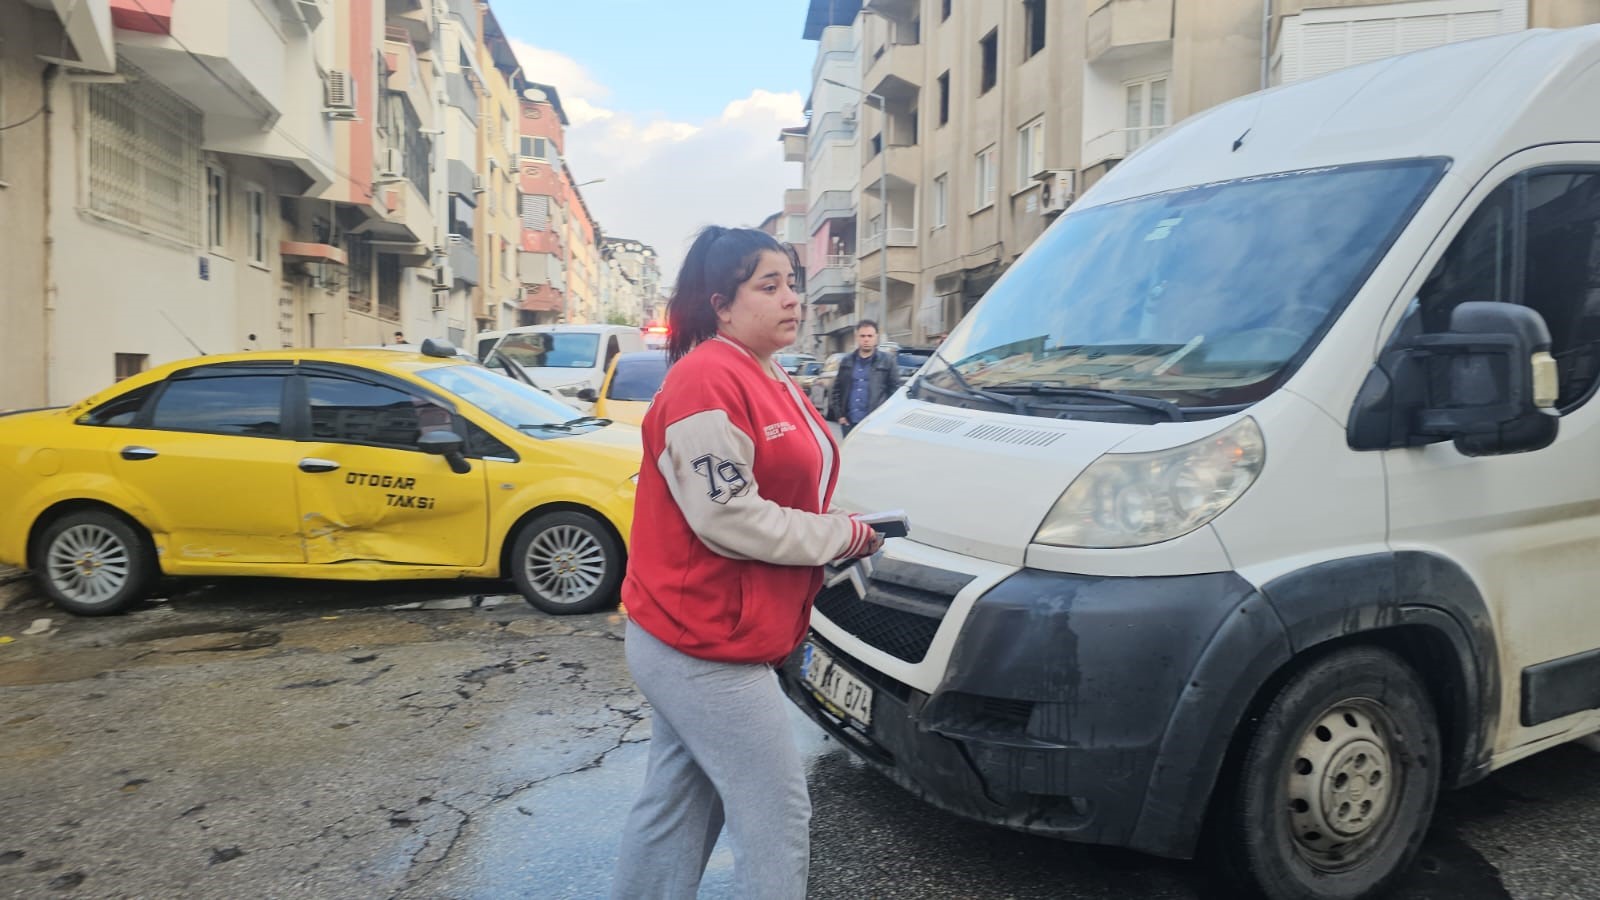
pixel 1092 709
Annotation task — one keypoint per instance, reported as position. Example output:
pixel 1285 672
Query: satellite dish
pixel 536 95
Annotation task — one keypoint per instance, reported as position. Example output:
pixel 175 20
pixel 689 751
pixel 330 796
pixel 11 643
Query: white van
pixel 568 360
pixel 1260 499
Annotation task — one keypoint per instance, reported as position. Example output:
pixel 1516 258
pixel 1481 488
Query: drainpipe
pixel 47 80
pixel 1266 42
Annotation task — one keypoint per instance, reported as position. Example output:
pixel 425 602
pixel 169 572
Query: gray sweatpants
pixel 721 750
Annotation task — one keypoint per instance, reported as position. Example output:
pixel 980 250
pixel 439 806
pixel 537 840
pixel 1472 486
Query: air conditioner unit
pixel 1060 189
pixel 439 302
pixel 340 87
pixel 477 184
pixel 394 162
pixel 442 276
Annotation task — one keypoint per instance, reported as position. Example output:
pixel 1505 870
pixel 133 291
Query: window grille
pixel 144 157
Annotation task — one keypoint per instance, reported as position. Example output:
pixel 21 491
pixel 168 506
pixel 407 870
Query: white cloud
pixel 665 179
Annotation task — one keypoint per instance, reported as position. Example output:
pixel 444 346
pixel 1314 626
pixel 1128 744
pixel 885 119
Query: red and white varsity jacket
pixel 730 523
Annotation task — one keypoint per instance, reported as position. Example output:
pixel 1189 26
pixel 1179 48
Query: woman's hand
pixel 875 546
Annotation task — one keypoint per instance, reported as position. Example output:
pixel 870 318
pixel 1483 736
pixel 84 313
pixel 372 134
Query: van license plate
pixel 844 694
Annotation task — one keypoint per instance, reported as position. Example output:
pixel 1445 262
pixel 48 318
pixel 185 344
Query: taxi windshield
pixel 512 402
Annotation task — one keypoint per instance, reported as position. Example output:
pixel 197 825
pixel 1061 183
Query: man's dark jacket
pixel 885 381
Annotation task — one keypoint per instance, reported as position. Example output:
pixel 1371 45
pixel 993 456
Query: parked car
pixel 631 384
pixel 823 382
pixel 910 359
pixel 1266 502
pixel 337 464
pixel 806 377
pixel 793 362
pixel 563 359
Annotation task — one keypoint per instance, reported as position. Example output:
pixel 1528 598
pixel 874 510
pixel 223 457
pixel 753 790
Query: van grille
pixel 1005 434
pixel 940 424
pixel 901 613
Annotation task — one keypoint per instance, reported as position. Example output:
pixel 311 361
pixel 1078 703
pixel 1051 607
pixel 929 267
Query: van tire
pixel 567 563
pixel 93 563
pixel 1336 785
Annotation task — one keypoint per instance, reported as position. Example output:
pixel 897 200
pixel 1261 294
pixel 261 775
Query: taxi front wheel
pixel 566 563
pixel 93 563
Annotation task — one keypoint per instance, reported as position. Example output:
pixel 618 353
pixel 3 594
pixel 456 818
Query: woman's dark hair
pixel 719 260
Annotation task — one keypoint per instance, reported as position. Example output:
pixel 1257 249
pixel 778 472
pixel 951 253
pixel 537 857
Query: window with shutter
pixel 536 212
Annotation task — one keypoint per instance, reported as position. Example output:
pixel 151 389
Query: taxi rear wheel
pixel 93 563
pixel 567 563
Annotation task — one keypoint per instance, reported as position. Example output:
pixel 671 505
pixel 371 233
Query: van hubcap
pixel 1342 781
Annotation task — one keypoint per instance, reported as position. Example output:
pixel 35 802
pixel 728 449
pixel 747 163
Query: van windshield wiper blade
pixel 1015 403
pixel 1172 411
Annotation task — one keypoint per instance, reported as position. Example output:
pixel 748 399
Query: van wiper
pixel 1015 403
pixel 1172 411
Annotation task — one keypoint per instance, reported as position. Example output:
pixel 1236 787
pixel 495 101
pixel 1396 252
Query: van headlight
pixel 1137 499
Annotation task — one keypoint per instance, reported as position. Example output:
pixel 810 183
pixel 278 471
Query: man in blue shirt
pixel 865 379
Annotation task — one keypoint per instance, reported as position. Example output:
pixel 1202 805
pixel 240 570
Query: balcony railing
pixel 894 237
pixel 829 205
pixel 1118 143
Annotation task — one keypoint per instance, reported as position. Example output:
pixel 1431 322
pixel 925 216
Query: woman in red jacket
pixel 731 532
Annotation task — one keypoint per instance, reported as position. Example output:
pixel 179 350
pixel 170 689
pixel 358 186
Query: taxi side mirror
pixel 588 395
pixel 447 444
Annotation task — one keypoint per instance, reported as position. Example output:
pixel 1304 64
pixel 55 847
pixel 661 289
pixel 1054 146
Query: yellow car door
pixel 366 491
pixel 212 467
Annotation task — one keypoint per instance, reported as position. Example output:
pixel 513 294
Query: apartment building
pixel 144 182
pixel 979 123
pixel 499 222
pixel 630 278
pixel 81 35
pixel 827 147
pixel 541 264
pixel 581 238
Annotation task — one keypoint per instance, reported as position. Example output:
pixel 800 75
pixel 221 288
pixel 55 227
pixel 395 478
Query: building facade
pixel 185 177
pixel 979 123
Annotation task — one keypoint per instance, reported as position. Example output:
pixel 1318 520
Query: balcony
pixel 904 264
pixel 833 284
pixel 257 84
pixel 463 260
pixel 794 145
pixel 894 9
pixel 904 169
pixel 895 72
pixel 1117 144
pixel 88 25
pixel 830 205
pixel 1123 28
pixel 461 94
pixel 407 227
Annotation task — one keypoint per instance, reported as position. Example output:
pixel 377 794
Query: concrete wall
pixel 23 294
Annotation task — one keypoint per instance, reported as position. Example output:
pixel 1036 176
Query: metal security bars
pixel 144 157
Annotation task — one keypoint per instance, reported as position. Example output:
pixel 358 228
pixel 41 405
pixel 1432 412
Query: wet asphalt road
pixel 293 740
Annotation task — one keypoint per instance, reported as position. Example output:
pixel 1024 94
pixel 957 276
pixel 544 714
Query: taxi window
pixel 638 377
pixel 232 404
pixel 120 412
pixel 363 413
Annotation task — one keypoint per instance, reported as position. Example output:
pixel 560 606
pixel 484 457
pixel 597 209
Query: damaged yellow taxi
pixel 328 464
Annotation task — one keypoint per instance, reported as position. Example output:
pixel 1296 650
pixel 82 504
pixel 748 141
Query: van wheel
pixel 1336 787
pixel 566 563
pixel 93 563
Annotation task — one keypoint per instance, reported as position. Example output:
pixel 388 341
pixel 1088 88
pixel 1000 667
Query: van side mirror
pixel 447 444
pixel 1488 384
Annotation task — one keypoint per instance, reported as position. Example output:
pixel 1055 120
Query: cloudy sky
pixel 676 105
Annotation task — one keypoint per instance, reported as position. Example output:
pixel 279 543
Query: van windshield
pixel 1206 296
pixel 552 350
